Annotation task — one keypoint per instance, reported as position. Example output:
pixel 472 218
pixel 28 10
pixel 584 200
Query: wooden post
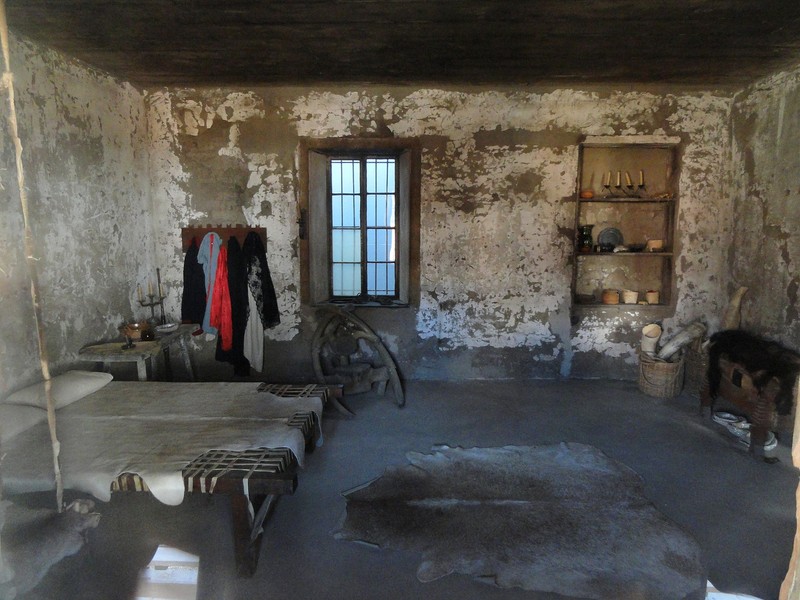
pixel 30 255
pixel 790 588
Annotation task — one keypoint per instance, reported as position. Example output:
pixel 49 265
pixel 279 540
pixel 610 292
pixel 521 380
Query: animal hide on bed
pixel 563 518
pixel 763 359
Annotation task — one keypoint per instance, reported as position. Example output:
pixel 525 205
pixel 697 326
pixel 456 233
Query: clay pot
pixel 654 246
pixel 652 296
pixel 630 297
pixel 610 296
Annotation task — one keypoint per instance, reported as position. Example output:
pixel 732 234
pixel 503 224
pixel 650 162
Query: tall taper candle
pixel 641 178
pixel 628 179
pixel 618 179
pixel 160 289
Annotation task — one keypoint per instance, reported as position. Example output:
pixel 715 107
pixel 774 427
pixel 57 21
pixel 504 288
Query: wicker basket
pixel 660 379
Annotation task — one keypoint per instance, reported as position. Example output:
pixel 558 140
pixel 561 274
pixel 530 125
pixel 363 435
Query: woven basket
pixel 660 379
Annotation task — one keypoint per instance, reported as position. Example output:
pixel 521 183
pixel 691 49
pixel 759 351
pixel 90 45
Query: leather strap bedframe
pixel 254 479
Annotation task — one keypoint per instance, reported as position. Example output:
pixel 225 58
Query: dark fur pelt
pixel 763 360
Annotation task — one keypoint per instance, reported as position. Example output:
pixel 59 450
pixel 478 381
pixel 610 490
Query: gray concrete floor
pixel 740 509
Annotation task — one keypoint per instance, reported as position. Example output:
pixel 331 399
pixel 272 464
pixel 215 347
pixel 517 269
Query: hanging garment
pixel 254 335
pixel 193 300
pixel 260 281
pixel 208 257
pixel 220 317
pixel 238 290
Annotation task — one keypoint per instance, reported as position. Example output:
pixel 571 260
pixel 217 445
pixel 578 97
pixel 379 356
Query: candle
pixel 608 178
pixel 618 181
pixel 139 292
pixel 628 179
pixel 149 288
pixel 641 178
pixel 160 290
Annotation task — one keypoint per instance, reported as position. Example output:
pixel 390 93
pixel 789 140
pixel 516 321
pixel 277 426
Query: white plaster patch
pixel 241 106
pixel 327 114
pixel 232 149
pixel 594 334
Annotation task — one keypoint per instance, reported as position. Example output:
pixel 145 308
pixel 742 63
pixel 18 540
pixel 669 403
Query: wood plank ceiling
pixel 246 42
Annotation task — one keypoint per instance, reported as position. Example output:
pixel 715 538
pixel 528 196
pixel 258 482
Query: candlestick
pixel 158 278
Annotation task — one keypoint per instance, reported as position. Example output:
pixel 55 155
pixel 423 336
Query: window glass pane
pixel 380 210
pixel 345 176
pixel 380 245
pixel 336 177
pixel 386 245
pixel 391 245
pixel 372 279
pixel 346 245
pixel 380 279
pixel 380 175
pixel 346 280
pixel 345 211
pixel 391 278
pixel 336 211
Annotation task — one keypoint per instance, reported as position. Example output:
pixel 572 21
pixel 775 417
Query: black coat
pixel 193 301
pixel 260 281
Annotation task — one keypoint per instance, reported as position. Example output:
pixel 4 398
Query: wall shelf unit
pixel 627 191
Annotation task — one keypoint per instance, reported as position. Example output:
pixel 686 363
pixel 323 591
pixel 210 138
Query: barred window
pixel 360 239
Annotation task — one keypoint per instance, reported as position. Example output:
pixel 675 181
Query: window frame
pixel 363 156
pixel 314 215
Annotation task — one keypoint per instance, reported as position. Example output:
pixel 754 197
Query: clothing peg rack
pixel 223 231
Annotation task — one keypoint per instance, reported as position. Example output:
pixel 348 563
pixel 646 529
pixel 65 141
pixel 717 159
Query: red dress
pixel 221 317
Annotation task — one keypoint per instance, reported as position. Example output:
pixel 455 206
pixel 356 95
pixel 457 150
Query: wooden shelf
pixel 611 254
pixel 651 310
pixel 614 199
pixel 650 214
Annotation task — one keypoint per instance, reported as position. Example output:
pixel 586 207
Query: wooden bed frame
pixel 253 479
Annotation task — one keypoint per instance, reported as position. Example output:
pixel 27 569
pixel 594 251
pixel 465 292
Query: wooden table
pixel 112 352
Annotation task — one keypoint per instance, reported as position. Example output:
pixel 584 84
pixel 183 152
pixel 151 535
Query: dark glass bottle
pixel 585 241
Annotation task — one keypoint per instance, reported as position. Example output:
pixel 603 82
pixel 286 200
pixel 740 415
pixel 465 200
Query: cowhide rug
pixel 563 518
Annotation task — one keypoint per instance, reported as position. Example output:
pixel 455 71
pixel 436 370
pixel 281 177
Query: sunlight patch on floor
pixel 171 575
pixel 713 593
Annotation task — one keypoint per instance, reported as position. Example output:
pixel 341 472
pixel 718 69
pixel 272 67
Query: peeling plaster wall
pixel 498 178
pixel 84 155
pixel 18 353
pixel 766 252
